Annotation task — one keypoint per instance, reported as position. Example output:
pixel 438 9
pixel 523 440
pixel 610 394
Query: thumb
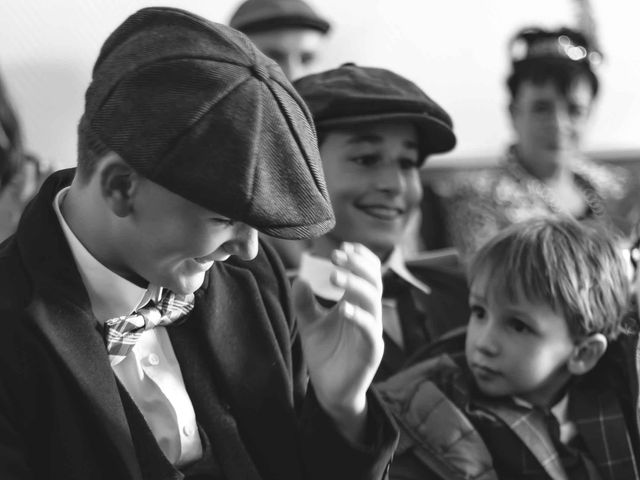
pixel 305 305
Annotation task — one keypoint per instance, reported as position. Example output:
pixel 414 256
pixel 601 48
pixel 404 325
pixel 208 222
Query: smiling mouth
pixel 484 372
pixel 382 212
pixel 204 261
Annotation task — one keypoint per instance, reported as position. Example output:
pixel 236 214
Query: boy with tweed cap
pixel 290 32
pixel 146 332
pixel 548 385
pixel 376 129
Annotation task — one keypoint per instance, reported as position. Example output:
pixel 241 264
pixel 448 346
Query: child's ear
pixel 586 353
pixel 118 182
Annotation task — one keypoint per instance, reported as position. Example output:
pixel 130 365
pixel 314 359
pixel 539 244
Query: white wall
pixel 454 49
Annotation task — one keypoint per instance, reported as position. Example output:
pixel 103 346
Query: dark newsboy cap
pixel 352 94
pixel 260 15
pixel 193 106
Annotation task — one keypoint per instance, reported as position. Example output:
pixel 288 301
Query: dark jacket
pixel 61 414
pixel 442 312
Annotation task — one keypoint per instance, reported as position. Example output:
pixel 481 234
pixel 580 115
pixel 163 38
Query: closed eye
pixel 222 221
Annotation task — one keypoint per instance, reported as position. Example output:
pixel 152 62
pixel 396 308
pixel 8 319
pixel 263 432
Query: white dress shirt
pixel 317 270
pixel 150 373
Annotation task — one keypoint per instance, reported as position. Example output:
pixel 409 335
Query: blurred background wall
pixel 454 49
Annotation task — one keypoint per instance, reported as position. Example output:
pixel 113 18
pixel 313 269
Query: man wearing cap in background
pixel 375 130
pixel 288 31
pixel 138 340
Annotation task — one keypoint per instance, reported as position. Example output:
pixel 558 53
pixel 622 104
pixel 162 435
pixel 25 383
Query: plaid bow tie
pixel 121 333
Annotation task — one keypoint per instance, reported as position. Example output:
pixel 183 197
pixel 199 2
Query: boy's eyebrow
pixel 364 138
pixel 411 144
pixel 476 297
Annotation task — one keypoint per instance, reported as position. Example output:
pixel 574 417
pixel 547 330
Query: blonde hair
pixel 575 268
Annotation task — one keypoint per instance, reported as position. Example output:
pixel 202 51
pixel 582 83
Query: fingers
pixel 368 323
pixel 360 261
pixel 360 277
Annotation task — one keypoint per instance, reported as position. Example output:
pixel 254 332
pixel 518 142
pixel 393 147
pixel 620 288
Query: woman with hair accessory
pixel 552 86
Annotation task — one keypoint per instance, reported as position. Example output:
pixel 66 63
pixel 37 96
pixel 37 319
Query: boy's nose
pixel 244 244
pixel 391 179
pixel 486 341
pixel 560 120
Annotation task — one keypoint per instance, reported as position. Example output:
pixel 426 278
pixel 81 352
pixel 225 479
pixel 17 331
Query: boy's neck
pixel 90 221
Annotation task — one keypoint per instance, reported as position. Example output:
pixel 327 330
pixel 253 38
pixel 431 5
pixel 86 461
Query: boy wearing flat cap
pixel 290 32
pixel 138 340
pixel 375 129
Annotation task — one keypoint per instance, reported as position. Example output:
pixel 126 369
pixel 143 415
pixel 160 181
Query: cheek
pixel 413 194
pixel 343 190
pixel 181 240
pixel 470 338
pixel 537 363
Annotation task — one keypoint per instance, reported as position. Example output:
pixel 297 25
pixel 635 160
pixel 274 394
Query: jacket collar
pixel 61 309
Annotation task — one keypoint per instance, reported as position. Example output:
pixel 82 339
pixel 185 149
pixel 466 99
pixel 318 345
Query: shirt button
pixel 188 430
pixel 153 359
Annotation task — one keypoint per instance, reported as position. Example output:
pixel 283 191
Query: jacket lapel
pixel 252 381
pixel 530 428
pixel 439 316
pixel 73 336
pixel 61 310
pixel 602 426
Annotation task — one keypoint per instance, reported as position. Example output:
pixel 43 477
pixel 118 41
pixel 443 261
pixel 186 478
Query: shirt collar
pixel 396 264
pixel 560 410
pixel 316 271
pixel 110 294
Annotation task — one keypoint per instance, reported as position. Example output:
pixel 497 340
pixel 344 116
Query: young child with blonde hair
pixel 547 387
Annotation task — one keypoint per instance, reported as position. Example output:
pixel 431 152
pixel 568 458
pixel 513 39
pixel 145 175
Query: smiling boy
pixel 375 130
pixel 290 32
pixel 547 387
pixel 146 333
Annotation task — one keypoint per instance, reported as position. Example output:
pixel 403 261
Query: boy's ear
pixel 586 353
pixel 118 183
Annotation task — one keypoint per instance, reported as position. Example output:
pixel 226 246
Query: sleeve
pixel 13 461
pixel 326 454
pixel 15 391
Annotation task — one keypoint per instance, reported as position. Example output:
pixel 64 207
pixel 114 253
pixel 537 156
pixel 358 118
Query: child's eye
pixel 519 326
pixel 477 312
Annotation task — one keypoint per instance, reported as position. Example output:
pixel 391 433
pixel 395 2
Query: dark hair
pixel 575 268
pixel 562 56
pixel 90 150
pixel 11 152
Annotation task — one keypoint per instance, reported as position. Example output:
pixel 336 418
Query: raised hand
pixel 343 345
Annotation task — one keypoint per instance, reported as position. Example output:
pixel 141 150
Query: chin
pixel 384 243
pixel 185 285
